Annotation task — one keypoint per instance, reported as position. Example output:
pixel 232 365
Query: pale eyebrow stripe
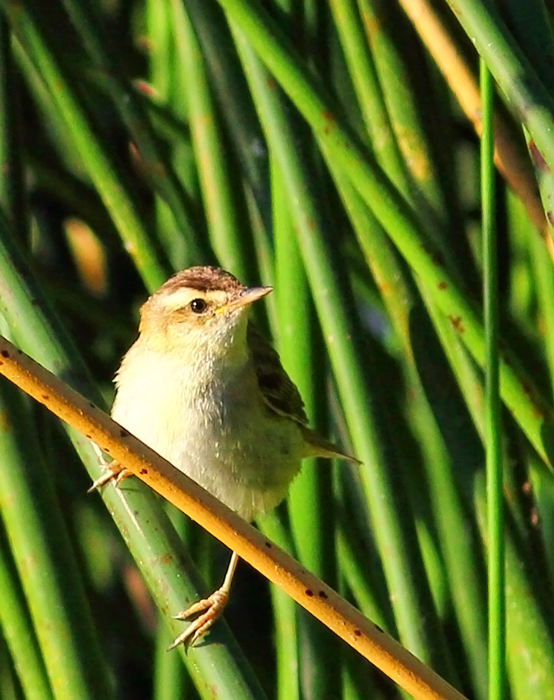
pixel 179 298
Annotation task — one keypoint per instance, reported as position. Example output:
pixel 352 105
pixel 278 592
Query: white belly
pixel 220 433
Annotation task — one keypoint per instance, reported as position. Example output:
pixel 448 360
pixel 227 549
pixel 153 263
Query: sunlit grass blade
pixel 310 498
pixel 286 619
pixel 12 191
pixel 510 156
pixel 495 494
pixel 236 109
pixel 407 113
pixel 16 625
pixel 220 195
pixel 529 98
pixel 529 645
pixel 154 161
pixel 46 563
pixel 94 154
pixel 369 93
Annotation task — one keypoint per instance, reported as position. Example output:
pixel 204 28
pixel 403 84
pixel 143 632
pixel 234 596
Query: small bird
pixel 203 388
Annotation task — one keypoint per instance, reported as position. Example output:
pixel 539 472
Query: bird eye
pixel 198 306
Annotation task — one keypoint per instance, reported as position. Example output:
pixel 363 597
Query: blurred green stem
pixel 497 624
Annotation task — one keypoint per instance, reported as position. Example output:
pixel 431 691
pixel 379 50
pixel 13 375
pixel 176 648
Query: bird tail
pixel 321 447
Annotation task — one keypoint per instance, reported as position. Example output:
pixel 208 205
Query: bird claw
pixel 211 609
pixel 112 472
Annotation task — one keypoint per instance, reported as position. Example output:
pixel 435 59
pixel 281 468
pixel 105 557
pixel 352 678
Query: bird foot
pixel 211 609
pixel 112 472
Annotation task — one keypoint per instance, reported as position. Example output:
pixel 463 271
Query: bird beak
pixel 247 296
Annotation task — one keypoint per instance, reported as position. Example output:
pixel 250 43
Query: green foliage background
pixel 315 147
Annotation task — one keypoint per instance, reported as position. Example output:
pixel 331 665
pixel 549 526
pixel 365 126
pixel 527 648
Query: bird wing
pixel 278 391
pixel 282 396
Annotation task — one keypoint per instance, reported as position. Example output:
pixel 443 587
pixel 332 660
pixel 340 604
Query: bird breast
pixel 212 423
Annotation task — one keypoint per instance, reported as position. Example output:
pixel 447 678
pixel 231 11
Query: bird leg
pixel 112 472
pixel 211 609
